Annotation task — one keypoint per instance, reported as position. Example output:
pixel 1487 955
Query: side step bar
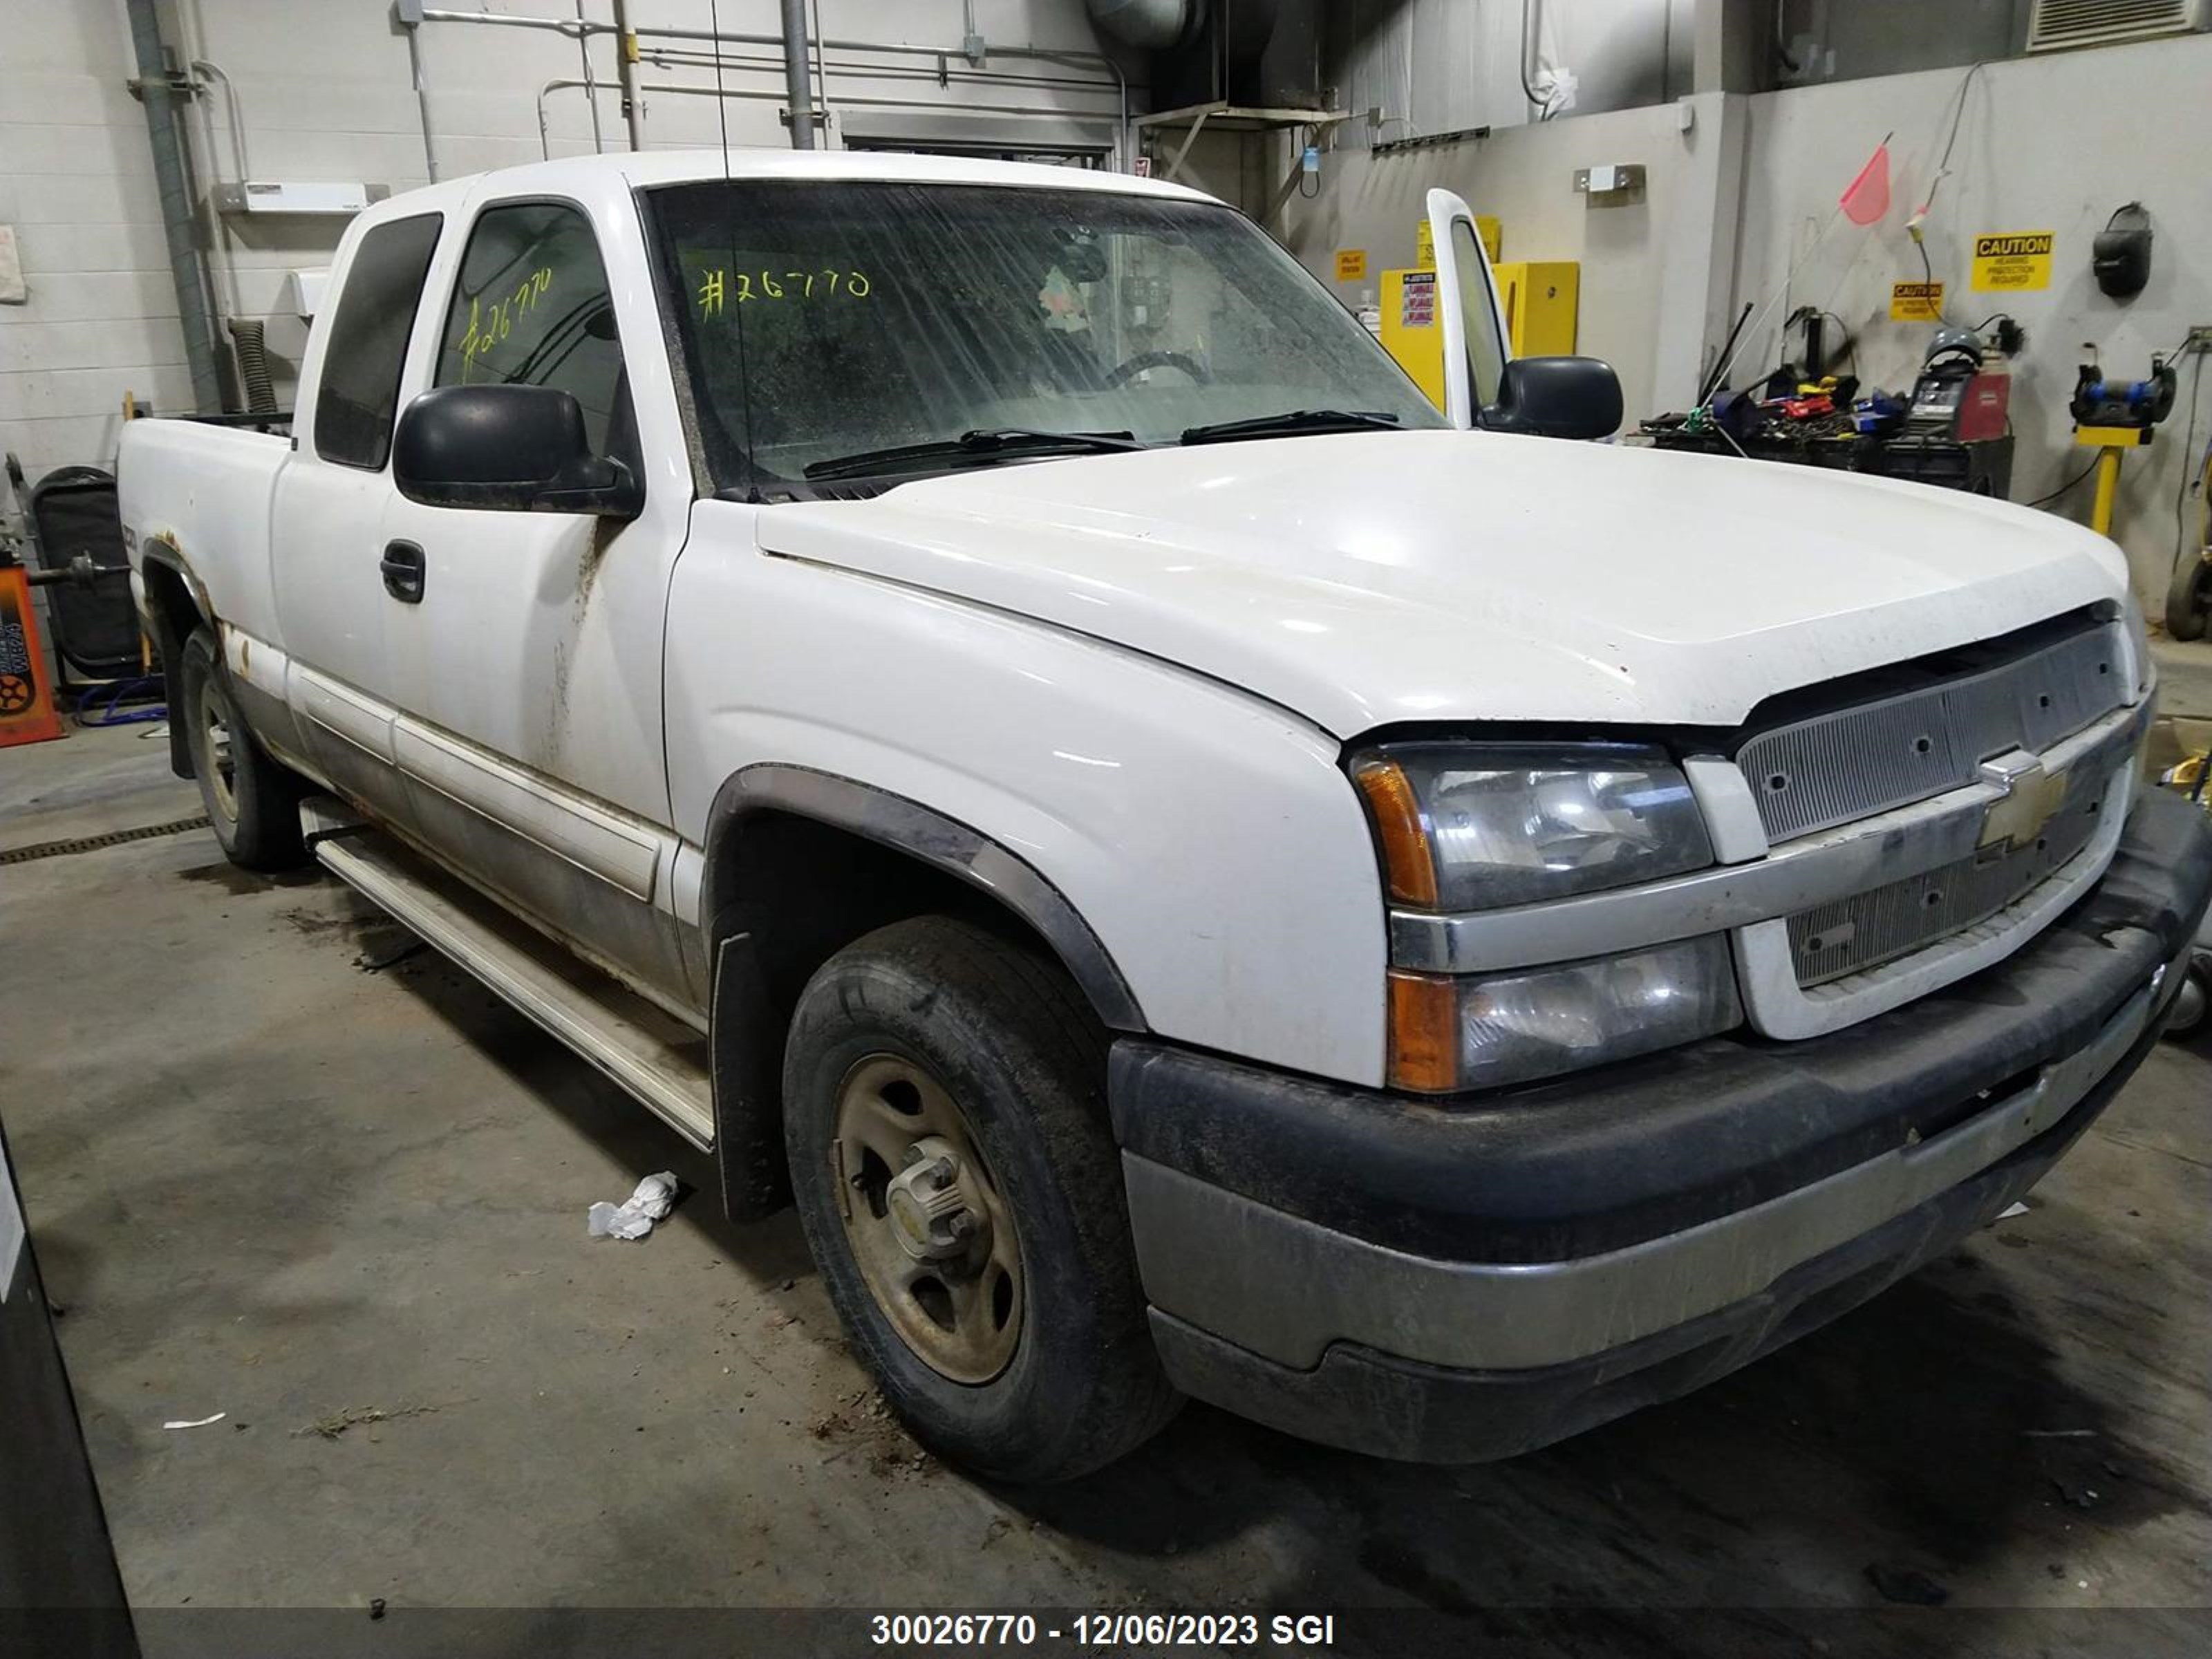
pixel 650 1055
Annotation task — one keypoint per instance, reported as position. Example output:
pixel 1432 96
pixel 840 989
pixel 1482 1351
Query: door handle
pixel 403 568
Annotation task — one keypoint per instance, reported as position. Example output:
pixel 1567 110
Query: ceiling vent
pixel 2055 25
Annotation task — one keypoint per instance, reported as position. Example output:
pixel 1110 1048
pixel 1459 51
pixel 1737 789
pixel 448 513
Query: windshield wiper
pixel 1291 420
pixel 984 444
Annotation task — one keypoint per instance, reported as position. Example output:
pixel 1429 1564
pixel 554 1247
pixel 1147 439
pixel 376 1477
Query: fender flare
pixel 160 550
pixel 926 835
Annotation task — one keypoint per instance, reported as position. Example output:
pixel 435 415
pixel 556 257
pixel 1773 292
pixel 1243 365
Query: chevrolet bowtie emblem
pixel 2029 796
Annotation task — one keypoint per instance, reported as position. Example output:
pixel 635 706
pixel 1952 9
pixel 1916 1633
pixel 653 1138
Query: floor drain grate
pixel 57 849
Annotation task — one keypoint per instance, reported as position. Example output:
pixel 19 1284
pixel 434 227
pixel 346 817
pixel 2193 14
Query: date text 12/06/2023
pixel 1306 1633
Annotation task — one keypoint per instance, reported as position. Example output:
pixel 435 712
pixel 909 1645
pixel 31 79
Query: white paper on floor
pixel 635 1216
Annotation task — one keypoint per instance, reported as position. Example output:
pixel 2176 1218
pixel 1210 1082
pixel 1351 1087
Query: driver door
pixel 524 650
pixel 1475 349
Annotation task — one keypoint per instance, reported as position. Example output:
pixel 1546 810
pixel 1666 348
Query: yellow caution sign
pixel 1351 263
pixel 2013 261
pixel 1916 302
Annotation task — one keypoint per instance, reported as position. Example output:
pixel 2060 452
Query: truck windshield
pixel 821 323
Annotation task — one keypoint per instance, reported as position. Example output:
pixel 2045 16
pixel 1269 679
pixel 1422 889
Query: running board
pixel 649 1053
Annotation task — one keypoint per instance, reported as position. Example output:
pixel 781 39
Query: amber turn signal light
pixel 1391 803
pixel 1424 1033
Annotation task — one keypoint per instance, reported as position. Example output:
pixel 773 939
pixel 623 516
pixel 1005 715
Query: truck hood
pixel 1366 578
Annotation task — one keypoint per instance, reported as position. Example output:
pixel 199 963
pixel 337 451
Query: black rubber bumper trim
pixel 1387 1406
pixel 1611 1159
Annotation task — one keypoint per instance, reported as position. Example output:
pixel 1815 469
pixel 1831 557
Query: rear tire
pixel 2192 1005
pixel 252 801
pixel 1009 1333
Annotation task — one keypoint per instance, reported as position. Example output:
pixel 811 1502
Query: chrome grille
pixel 1884 923
pixel 1814 774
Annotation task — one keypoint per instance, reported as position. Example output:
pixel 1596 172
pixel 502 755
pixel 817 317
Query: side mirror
pixel 507 448
pixel 1556 398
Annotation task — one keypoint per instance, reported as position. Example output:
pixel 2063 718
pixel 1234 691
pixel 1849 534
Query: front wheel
pixel 945 1119
pixel 252 802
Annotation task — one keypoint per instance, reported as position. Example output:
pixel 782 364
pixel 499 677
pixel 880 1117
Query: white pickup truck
pixel 981 696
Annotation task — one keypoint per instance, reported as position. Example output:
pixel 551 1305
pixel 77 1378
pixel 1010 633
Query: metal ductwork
pixel 1151 25
pixel 1262 54
pixel 172 185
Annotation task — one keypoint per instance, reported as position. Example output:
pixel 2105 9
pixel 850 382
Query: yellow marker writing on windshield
pixel 717 286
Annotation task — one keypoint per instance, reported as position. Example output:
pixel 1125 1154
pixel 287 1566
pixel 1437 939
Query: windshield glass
pixel 820 321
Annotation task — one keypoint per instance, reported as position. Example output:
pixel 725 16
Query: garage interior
pixel 307 1201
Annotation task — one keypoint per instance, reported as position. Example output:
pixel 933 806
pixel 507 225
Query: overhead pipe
pixel 218 236
pixel 684 57
pixel 578 28
pixel 626 71
pixel 422 99
pixel 907 49
pixel 172 185
pixel 798 96
pixel 1014 111
pixel 584 55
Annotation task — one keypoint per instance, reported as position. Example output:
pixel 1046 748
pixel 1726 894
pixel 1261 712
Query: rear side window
pixel 360 389
pixel 532 308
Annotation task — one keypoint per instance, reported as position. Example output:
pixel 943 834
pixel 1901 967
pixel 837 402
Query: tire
pixel 252 801
pixel 2191 1006
pixel 2188 600
pixel 1008 1043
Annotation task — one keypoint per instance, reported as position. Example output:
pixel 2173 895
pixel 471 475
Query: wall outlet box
pixel 316 196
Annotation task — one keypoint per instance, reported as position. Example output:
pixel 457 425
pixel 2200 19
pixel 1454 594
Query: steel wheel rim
pixel 936 1245
pixel 219 746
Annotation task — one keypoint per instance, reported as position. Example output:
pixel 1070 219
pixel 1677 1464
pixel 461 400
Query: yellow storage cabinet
pixel 1538 297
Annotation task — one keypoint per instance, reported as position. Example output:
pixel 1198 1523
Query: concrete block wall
pixel 322 89
pixel 76 181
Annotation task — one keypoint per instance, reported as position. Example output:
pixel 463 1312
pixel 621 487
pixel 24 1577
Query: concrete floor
pixel 268 1179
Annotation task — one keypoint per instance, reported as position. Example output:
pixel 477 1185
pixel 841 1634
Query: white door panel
pixel 613 848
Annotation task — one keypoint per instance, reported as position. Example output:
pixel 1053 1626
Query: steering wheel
pixel 1144 360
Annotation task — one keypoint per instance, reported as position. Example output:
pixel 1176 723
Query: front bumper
pixel 1452 1284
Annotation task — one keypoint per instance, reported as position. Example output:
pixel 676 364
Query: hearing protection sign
pixel 2012 261
pixel 1916 302
pixel 1351 263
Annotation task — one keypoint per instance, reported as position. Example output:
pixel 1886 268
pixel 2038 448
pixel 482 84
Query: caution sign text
pixel 1916 302
pixel 1351 263
pixel 2011 261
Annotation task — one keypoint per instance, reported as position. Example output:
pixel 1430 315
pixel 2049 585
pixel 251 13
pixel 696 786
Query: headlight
pixel 1471 827
pixel 1449 1034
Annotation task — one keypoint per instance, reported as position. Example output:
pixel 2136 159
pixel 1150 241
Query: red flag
pixel 1867 198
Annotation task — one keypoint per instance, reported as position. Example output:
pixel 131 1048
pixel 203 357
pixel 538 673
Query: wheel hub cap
pixel 928 1206
pixel 927 1226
